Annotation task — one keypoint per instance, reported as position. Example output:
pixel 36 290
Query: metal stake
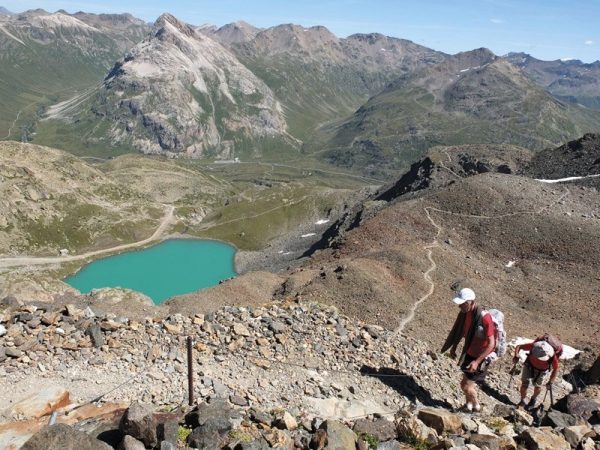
pixel 190 372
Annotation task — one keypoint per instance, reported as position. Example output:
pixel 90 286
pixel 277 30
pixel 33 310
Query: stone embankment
pixel 280 376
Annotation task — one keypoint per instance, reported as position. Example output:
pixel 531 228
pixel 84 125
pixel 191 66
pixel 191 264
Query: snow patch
pixel 560 180
pixel 568 351
pixel 510 264
pixel 321 221
pixel 308 235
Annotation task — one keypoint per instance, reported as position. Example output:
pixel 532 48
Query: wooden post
pixel 190 372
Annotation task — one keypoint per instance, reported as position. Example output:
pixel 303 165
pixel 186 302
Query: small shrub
pixel 183 433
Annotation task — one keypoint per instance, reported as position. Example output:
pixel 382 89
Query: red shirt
pixel 482 336
pixel 538 363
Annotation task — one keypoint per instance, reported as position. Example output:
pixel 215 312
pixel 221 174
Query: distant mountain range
pixel 569 80
pixel 469 98
pixel 47 57
pixel 368 102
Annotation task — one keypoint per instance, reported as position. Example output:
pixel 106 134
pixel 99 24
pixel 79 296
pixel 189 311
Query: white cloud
pixel 566 59
pixel 496 20
pixel 589 42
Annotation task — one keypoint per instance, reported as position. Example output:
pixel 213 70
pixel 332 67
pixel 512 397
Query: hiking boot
pixel 521 404
pixel 467 407
pixel 531 404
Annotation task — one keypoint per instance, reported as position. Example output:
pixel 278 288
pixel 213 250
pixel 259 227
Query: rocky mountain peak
pixel 478 56
pixel 291 37
pixel 167 22
pixel 231 33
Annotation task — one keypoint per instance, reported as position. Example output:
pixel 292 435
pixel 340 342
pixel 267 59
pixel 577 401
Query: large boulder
pixel 582 406
pixel 63 437
pixel 543 439
pixel 339 436
pixel 440 420
pixel 489 441
pixel 139 423
pixel 557 419
pixel 414 430
pixel 577 433
pixel 382 429
pixel 210 422
pixel 593 375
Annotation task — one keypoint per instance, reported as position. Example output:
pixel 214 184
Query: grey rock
pixel 382 429
pixel 557 419
pixel 139 423
pixel 63 437
pixel 168 431
pixel 261 417
pixel 489 441
pixel 131 443
pixel 543 439
pixel 237 400
pixel 13 352
pixel 390 445
pixel 277 327
pixel 165 445
pixel 581 406
pixel 339 436
pixel 96 335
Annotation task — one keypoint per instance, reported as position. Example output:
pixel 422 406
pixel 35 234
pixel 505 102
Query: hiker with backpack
pixel 540 367
pixel 476 326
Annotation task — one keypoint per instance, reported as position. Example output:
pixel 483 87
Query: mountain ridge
pixel 469 98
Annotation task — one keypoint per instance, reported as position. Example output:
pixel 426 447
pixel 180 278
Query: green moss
pixel 182 434
pixel 372 441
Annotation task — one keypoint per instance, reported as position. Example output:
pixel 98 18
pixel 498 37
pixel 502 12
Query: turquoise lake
pixel 173 267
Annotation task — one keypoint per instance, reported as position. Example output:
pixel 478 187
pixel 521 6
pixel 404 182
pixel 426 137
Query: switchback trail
pixel 31 260
pixel 429 248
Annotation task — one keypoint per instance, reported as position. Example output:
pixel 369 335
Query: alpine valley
pixel 362 181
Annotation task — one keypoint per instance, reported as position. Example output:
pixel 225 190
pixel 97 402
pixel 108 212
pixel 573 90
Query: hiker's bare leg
pixel 470 390
pixel 523 390
pixel 536 392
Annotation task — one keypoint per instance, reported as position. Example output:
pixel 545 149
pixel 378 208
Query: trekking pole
pixel 512 374
pixel 551 397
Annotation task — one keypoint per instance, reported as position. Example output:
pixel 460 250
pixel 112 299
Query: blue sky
pixel 547 29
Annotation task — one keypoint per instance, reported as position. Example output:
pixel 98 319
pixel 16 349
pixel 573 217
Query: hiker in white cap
pixel 540 367
pixel 477 328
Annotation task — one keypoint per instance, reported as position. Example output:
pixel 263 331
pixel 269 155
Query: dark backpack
pixel 554 342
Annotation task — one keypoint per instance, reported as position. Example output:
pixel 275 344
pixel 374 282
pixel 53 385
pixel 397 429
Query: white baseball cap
pixel 542 351
pixel 464 295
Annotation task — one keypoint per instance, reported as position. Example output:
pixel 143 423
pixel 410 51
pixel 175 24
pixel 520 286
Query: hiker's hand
pixel 515 359
pixel 472 367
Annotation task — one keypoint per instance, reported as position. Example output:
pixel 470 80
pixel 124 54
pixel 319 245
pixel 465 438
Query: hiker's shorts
pixel 477 376
pixel 536 376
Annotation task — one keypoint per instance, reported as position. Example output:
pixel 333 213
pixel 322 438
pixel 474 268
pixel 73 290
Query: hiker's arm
pixel 516 355
pixel 489 349
pixel 554 373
